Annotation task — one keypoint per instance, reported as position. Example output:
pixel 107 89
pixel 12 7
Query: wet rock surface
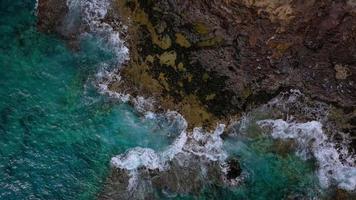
pixel 191 165
pixel 185 176
pixel 51 15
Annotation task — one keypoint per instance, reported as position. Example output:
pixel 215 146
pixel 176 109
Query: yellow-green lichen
pixel 168 58
pixel 195 112
pixel 182 40
pixel 181 67
pixel 163 80
pixel 163 41
pixel 139 76
pixel 189 77
pixel 150 59
pixel 201 28
pixel 211 42
pixel 246 92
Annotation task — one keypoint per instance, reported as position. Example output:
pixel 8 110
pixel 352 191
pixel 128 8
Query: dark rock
pixel 215 59
pixel 234 170
pixel 51 15
pixel 187 174
pixel 211 60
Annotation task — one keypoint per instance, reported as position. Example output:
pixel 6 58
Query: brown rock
pixel 51 14
pixel 249 50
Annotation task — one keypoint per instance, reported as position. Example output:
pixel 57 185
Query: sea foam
pixel 335 165
pixel 89 15
pixel 198 143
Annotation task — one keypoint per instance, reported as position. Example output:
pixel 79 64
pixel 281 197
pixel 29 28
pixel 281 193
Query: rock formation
pixel 214 59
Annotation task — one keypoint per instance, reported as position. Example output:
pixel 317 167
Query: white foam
pixel 36 7
pixel 91 14
pixel 143 104
pixel 136 158
pixel 207 144
pixel 335 166
pixel 105 77
pixel 150 115
pixel 94 11
pixel 198 143
pixel 295 101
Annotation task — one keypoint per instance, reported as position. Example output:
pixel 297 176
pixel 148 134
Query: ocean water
pixel 58 134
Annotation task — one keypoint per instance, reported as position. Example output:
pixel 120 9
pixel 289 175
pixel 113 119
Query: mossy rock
pixel 168 58
pixel 182 41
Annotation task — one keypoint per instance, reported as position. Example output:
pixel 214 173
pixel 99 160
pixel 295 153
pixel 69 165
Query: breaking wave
pixel 198 143
pixel 335 165
pixel 89 16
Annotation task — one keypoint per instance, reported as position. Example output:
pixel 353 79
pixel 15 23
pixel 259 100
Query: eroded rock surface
pixel 211 60
pixel 214 59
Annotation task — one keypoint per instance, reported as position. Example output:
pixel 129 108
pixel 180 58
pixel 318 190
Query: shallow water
pixel 57 134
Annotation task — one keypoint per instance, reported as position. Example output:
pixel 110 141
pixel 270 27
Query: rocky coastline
pixel 213 61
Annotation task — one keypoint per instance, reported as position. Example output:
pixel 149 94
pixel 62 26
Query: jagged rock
pixel 241 53
pixel 211 60
pixel 214 59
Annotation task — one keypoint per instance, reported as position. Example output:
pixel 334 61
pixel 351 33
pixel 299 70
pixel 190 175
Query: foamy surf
pixel 335 165
pixel 198 144
pixel 89 16
pixel 312 142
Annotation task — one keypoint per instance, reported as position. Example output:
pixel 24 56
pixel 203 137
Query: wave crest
pixel 335 165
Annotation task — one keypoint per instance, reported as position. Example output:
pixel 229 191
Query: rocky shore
pixel 211 60
pixel 215 60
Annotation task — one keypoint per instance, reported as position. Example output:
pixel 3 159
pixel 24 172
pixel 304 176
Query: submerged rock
pixel 51 15
pixel 191 164
pixel 234 170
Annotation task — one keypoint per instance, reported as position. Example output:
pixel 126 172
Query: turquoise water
pixel 273 176
pixel 57 134
pixel 270 173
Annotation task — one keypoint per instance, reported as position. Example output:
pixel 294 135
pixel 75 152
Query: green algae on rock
pixel 234 55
